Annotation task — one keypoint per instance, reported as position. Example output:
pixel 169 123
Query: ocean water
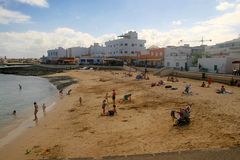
pixel 12 98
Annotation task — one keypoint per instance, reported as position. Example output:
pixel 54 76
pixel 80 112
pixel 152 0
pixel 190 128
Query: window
pixel 141 45
pixel 121 51
pixel 126 52
pixel 177 64
pixel 168 64
pixel 215 67
pixel 133 45
pixel 126 44
pixel 121 44
pixel 132 52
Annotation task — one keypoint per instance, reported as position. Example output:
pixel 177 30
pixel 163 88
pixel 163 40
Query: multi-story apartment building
pixel 178 57
pixel 127 45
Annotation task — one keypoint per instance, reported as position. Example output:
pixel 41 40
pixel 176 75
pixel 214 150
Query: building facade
pixel 54 54
pixel 178 57
pixel 229 48
pixel 97 51
pixel 127 45
pixel 216 64
pixel 77 51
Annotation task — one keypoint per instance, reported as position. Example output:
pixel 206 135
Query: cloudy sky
pixel 28 28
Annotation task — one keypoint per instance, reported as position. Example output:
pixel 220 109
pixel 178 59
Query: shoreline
pixel 13 131
pixel 72 130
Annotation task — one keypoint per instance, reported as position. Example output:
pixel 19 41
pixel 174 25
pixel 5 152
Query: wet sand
pixel 141 127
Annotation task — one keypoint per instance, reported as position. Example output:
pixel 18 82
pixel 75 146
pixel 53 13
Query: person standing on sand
pixel 80 100
pixel 44 108
pixel 35 111
pixel 209 81
pixel 113 96
pixel 104 105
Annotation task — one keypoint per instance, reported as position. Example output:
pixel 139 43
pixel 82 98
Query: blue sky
pixel 157 21
pixel 99 17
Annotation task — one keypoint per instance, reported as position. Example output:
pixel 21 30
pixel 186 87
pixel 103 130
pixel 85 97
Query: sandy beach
pixel 142 126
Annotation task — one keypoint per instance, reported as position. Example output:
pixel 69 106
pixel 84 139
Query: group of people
pixel 36 110
pixel 105 103
pixel 182 116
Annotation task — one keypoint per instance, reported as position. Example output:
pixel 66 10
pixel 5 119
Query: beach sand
pixel 142 126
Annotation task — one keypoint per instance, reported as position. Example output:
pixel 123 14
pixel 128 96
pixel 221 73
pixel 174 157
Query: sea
pixel 34 89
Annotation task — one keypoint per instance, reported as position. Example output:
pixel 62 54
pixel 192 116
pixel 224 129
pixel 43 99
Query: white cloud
pixel 222 6
pixel 35 44
pixel 39 3
pixel 219 29
pixel 8 16
pixel 177 23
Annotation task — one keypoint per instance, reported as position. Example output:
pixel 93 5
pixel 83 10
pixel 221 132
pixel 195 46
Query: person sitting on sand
pixel 104 105
pixel 14 113
pixel 183 115
pixel 187 89
pixel 126 98
pixel 203 84
pixel 69 92
pixel 160 83
pixel 168 78
pixel 223 90
pixel 153 84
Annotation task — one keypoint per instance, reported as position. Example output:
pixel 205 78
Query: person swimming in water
pixel 20 86
pixel 14 113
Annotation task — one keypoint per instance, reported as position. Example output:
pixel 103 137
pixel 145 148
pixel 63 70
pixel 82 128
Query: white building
pixel 127 45
pixel 77 51
pixel 96 50
pixel 229 48
pixel 178 57
pixel 217 64
pixel 54 54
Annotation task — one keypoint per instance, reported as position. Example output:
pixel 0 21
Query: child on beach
pixel 113 96
pixel 35 111
pixel 104 105
pixel 106 97
pixel 203 84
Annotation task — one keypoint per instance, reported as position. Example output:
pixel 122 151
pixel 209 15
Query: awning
pixel 236 62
